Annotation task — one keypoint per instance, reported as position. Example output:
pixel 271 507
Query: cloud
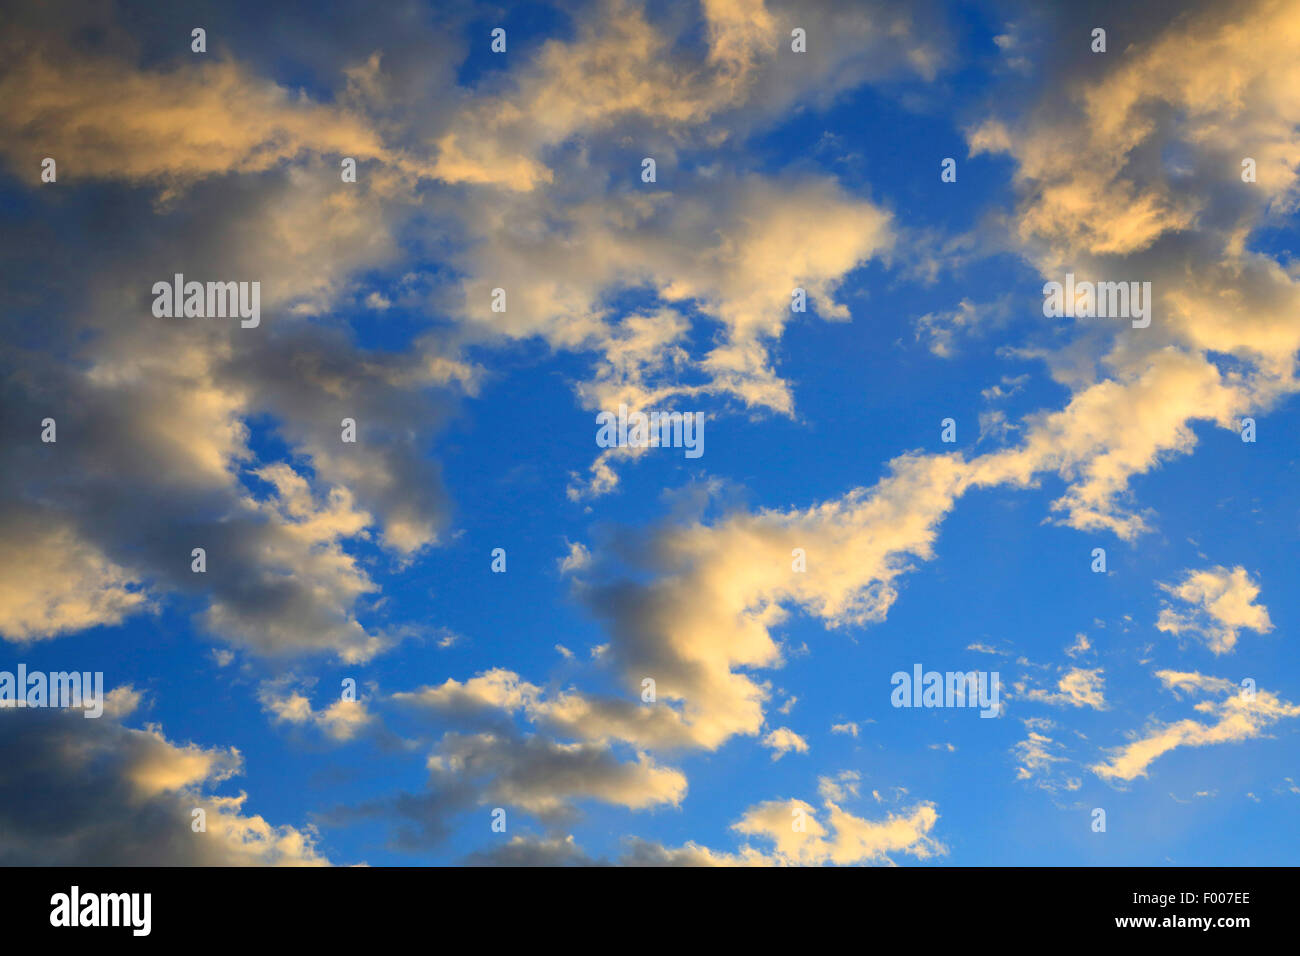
pixel 547 217
pixel 52 582
pixel 731 250
pixel 487 760
pixel 531 851
pixel 1222 603
pixel 569 713
pixel 520 773
pixel 621 71
pixel 1113 427
pixel 839 787
pixel 1079 687
pixel 719 590
pixel 846 839
pixel 153 421
pixel 577 559
pixel 1239 715
pixel 647 853
pixel 941 330
pixel 1135 215
pixel 562 851
pixel 97 793
pixel 164 427
pixel 1035 755
pixel 782 741
pixel 101 117
pixel 541 776
pixel 168 407
pixel 341 721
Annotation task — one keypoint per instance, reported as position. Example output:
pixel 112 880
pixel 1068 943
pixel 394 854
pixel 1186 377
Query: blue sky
pixel 1120 690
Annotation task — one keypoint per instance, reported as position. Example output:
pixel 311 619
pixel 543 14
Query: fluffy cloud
pixel 733 248
pixel 622 71
pixel 782 741
pixel 532 774
pixel 705 621
pixel 154 455
pixel 101 117
pixel 97 793
pixel 1100 199
pixel 1222 603
pixel 168 406
pixel 52 582
pixel 531 851
pixel 846 839
pixel 341 721
pixel 543 777
pixel 796 836
pixel 157 422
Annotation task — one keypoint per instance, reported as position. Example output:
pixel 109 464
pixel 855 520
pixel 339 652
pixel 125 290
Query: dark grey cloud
pixel 93 792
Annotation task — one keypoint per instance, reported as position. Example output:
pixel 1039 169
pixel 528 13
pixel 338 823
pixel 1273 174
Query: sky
pixel 476 634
